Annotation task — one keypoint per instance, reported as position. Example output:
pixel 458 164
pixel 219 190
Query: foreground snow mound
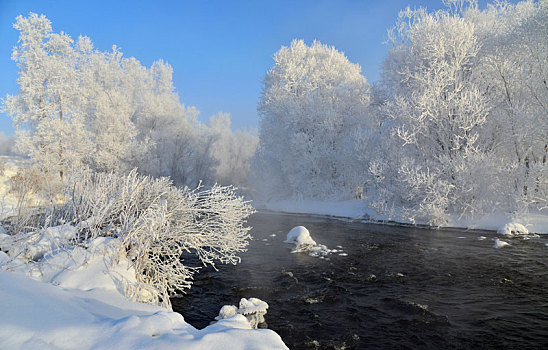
pixel 253 309
pixel 300 236
pixel 87 296
pixel 513 228
pixel 37 315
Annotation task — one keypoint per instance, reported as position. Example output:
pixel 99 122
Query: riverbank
pixel 59 294
pixel 535 222
pixel 79 298
pixel 38 315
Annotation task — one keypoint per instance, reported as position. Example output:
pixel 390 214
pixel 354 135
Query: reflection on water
pixel 397 288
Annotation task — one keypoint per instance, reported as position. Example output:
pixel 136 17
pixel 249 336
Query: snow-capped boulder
pixel 299 235
pixel 254 310
pixel 499 244
pixel 513 228
pixel 226 312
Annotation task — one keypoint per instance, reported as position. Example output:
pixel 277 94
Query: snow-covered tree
pixel 513 73
pixel 232 150
pixel 47 110
pixel 78 106
pixel 313 97
pixel 465 112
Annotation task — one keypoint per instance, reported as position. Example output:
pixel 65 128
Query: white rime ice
pixel 455 127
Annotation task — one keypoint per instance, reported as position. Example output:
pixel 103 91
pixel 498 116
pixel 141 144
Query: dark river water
pixel 398 288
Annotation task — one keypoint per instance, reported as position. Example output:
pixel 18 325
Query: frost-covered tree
pixel 232 150
pixel 439 108
pixel 465 113
pixel 312 99
pixel 109 85
pixel 78 106
pixel 513 73
pixel 47 110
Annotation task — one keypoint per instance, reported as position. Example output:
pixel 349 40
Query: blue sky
pixel 219 50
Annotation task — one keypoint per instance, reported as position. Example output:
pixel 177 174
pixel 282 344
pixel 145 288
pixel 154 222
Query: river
pixel 391 287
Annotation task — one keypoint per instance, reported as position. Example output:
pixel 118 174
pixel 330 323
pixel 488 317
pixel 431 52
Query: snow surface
pixel 534 221
pixel 38 315
pixel 73 298
pixel 349 209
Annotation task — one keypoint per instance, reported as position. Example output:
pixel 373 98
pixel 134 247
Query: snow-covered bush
pixel 158 225
pixel 32 190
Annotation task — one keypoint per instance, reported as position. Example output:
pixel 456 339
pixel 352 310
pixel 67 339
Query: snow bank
pixel 534 221
pixel 76 297
pixel 37 315
pixel 355 209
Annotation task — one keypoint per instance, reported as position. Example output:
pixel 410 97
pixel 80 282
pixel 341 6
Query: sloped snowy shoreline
pixel 536 222
pixel 59 296
pixel 75 298
pixel 38 315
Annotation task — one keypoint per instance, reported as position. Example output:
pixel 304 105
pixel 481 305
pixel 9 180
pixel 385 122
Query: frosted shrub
pixel 158 225
pixel 32 190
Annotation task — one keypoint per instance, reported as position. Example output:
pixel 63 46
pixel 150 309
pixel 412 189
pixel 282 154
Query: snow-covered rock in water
pixel 500 244
pixel 253 309
pixel 300 236
pixel 513 228
pixel 226 312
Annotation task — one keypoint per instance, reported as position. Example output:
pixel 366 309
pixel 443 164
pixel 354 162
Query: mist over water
pixel 397 287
